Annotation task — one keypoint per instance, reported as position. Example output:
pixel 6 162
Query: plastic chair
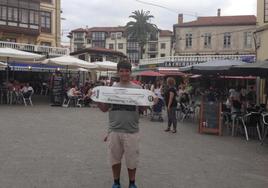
pixel 77 100
pixel 265 126
pixel 251 119
pixel 27 97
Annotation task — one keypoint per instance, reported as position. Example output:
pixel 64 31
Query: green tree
pixel 140 29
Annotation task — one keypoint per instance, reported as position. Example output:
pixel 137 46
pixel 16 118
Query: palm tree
pixel 140 29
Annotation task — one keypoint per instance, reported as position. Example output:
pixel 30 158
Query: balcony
pixel 50 51
pixel 79 40
pixel 189 60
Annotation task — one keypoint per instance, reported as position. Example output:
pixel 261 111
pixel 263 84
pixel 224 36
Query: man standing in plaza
pixel 123 137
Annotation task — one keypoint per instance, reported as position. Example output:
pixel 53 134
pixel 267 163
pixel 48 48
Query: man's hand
pixel 103 106
pixel 156 99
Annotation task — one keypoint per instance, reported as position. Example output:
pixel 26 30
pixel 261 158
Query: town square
pixel 133 93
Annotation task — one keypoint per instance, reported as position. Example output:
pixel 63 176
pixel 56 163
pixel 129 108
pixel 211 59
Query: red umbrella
pixel 149 73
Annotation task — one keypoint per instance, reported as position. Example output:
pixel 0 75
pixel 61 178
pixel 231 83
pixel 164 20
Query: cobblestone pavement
pixel 54 147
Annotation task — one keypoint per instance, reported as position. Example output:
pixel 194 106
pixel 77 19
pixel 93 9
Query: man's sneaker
pixel 116 186
pixel 132 186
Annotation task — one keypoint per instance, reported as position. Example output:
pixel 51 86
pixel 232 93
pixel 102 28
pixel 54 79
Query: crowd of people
pixel 12 92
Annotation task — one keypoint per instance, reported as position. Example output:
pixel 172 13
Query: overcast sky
pixel 94 13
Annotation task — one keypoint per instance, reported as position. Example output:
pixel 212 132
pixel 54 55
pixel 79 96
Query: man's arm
pixel 103 107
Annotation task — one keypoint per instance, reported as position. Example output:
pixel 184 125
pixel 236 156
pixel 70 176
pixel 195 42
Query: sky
pixel 105 13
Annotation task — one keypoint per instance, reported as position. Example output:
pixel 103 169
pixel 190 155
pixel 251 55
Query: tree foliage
pixel 141 28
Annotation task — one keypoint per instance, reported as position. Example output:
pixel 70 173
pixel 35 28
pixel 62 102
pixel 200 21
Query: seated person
pixel 27 90
pixel 74 92
pixel 87 95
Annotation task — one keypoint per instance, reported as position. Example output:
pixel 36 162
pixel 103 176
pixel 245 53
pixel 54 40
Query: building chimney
pixel 180 19
pixel 219 12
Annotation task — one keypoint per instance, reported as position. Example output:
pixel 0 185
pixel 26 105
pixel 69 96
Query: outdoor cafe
pixel 46 79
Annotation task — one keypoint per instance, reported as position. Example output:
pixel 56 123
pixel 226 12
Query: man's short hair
pixel 124 65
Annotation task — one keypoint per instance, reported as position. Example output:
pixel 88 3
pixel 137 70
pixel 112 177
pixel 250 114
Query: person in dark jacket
pixel 171 103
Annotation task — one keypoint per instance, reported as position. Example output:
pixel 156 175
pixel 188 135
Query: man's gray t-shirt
pixel 124 118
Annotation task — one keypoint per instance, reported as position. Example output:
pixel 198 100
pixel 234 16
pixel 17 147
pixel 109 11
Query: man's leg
pixel 132 174
pixel 116 171
pixel 115 149
pixel 131 147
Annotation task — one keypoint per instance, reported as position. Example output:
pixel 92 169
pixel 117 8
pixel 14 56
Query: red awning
pixel 172 73
pixel 149 73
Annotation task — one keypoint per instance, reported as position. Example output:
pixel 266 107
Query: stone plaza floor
pixel 55 147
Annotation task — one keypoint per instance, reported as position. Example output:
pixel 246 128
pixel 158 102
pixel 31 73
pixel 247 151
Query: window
pixel 188 41
pixel 133 57
pixel 34 17
pixel 111 46
pixel 88 41
pixel 3 12
pixel 152 47
pixel 12 14
pixel 24 4
pixel 46 22
pixel 227 40
pixel 78 35
pixel 47 1
pixel 120 46
pixel 247 39
pixel 162 55
pixel 134 46
pixel 113 35
pixel 98 36
pixel 118 35
pixel 13 2
pixel 79 46
pixel 265 10
pixel 98 44
pixel 24 16
pixel 207 40
pixel 163 46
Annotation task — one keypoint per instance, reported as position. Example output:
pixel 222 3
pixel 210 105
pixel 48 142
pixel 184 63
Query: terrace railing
pixel 196 58
pixel 50 51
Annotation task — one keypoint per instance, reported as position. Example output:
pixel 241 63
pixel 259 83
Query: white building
pixel 114 38
pixel 215 35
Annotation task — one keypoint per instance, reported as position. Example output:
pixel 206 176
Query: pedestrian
pixel 171 103
pixel 123 134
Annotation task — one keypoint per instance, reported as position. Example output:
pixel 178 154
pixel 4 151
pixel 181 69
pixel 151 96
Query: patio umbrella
pixel 2 64
pixel 212 67
pixel 18 54
pixel 69 62
pixel 13 54
pixel 106 65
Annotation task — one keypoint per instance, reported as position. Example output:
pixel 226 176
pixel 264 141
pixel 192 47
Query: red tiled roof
pixel 79 30
pixel 220 21
pixel 107 29
pixel 165 33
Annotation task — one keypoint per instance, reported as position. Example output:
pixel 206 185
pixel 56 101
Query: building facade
pixel 34 22
pixel 262 30
pixel 115 38
pixel 215 35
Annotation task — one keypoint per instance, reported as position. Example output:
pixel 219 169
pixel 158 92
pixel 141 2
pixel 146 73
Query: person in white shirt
pixel 27 90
